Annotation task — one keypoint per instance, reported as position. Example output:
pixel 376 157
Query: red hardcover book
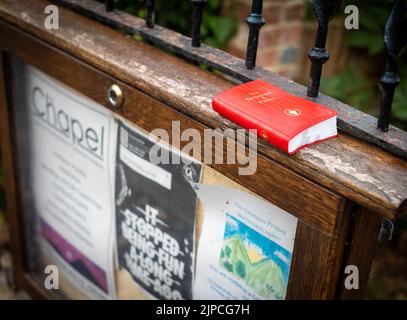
pixel 286 121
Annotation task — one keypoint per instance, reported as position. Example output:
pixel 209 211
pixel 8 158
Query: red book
pixel 286 121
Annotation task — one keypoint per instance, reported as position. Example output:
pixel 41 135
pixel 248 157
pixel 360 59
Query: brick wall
pixel 281 39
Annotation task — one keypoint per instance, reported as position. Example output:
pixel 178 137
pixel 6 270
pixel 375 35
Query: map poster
pixel 155 216
pixel 245 248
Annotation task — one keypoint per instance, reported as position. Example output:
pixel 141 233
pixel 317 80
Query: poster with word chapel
pixel 70 178
pixel 155 215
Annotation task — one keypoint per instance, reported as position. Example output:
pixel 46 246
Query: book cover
pixel 286 121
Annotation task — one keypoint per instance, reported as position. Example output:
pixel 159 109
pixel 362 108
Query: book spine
pixel 248 122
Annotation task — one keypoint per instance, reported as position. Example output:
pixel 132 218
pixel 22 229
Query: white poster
pixel 245 248
pixel 71 181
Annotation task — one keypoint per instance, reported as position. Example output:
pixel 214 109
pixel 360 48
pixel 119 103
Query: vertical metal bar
pixel 324 11
pixel 197 8
pixel 395 38
pixel 109 5
pixel 150 13
pixel 255 21
pixel 389 82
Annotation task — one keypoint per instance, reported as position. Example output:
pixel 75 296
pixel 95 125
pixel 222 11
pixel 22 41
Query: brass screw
pixel 263 134
pixel 115 96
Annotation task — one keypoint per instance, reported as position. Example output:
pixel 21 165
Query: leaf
pixel 369 23
pixel 212 42
pixel 350 88
pixel 214 5
pixel 375 17
pixel 176 15
pixel 399 109
pixel 221 27
pixel 361 99
pixel 361 39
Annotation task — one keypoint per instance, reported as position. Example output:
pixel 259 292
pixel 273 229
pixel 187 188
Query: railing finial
pixel 395 38
pixel 197 8
pixel 109 5
pixel 150 13
pixel 255 21
pixel 324 11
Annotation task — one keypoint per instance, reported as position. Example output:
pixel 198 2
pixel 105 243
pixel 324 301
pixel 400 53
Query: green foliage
pixel 399 109
pixel 365 40
pixel 373 15
pixel 399 104
pixel 228 266
pixel 350 87
pixel 240 269
pixel 217 30
pixel 177 16
pixel 228 251
pixel 360 89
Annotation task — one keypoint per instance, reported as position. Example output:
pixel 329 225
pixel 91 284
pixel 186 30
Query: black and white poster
pixel 155 216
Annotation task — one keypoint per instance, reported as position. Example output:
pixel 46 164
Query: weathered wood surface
pixel 8 162
pixel 358 123
pixel 354 169
pixel 361 248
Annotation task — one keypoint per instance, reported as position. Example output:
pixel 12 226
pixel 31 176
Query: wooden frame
pixel 345 186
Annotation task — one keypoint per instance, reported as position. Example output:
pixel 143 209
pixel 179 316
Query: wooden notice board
pixel 337 192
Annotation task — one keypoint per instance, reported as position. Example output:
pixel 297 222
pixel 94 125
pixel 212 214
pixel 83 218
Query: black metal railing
pixel 324 11
pixel 395 38
pixel 150 13
pixel 350 120
pixel 197 6
pixel 109 5
pixel 255 21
